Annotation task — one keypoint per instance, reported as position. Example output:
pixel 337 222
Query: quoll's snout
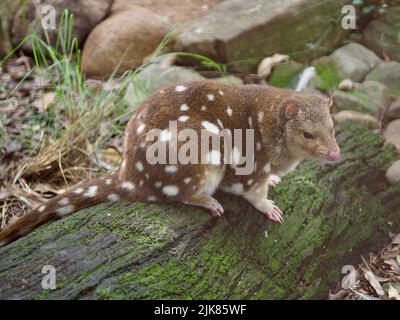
pixel 334 155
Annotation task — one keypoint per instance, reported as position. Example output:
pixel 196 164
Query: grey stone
pixel 393 172
pixel 244 32
pixel 389 74
pixel 370 97
pixel 383 34
pixel 355 61
pixel 392 133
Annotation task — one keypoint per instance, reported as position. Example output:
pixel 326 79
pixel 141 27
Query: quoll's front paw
pixel 273 212
pixel 274 180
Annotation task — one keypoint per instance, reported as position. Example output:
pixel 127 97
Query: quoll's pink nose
pixel 334 155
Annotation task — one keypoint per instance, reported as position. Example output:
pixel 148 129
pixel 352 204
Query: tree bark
pixel 332 214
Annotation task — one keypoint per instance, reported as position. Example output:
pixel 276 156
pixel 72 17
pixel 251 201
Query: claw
pixel 274 180
pixel 275 214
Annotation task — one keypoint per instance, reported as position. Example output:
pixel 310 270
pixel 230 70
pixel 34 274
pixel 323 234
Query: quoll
pixel 288 127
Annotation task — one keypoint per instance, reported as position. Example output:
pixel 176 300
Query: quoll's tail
pixel 85 195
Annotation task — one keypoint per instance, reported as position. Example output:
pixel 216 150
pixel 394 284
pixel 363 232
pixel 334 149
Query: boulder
pixel 122 41
pixel 393 172
pixel 369 97
pixel 389 74
pixel 382 34
pixel 392 133
pixel 87 14
pixel 355 61
pixel 241 33
pixel 363 119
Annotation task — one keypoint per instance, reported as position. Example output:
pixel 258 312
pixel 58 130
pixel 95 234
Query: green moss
pixel 328 73
pixel 285 74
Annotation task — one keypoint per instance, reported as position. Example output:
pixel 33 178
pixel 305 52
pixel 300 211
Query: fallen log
pixel 333 214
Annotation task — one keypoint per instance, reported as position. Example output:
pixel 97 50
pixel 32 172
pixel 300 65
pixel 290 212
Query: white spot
pixel 210 127
pixel 170 190
pixel 123 165
pixel 260 116
pixel 183 118
pixel 92 192
pixel 113 197
pixel 250 122
pixel 184 107
pixel 236 188
pixel 198 30
pixel 180 88
pixel 266 233
pixel 229 111
pixel 63 202
pixel 42 208
pixel 267 168
pixel 221 93
pixel 139 166
pixel 141 182
pixel 258 146
pixel 187 180
pixel 165 135
pixel 214 157
pixel 142 145
pixel 152 199
pixel 127 185
pixel 108 182
pixel 210 97
pixel 220 123
pixel 147 176
pixel 171 169
pixel 65 210
pixel 203 108
pixel 140 128
pixel 78 191
pixel 258 190
pixel 249 182
pixel 158 184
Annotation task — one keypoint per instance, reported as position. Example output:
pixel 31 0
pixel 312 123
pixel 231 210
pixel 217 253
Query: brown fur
pixel 279 118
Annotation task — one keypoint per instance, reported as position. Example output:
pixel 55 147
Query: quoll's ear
pixel 291 110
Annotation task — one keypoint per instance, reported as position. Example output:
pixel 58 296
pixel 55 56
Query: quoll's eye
pixel 307 135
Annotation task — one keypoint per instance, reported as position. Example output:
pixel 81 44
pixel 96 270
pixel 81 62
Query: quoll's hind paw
pixel 206 202
pixel 274 180
pixel 275 214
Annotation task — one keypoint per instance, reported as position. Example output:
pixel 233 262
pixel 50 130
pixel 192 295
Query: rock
pixel 286 74
pixel 355 61
pixel 157 77
pixel 238 30
pixel 122 40
pixel 394 109
pixel 230 79
pixel 369 97
pixel 365 120
pixel 382 34
pixel 346 85
pixel 392 133
pixel 87 14
pixel 7 11
pixel 393 172
pixel 389 74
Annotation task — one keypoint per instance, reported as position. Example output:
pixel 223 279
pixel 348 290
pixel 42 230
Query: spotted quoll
pixel 286 128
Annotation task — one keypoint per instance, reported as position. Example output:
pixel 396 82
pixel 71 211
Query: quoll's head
pixel 309 127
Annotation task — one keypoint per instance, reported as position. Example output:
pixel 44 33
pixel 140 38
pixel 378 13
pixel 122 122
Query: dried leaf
pixel 396 239
pixel 374 283
pixel 393 264
pixel 338 295
pixel 43 102
pixel 393 293
pixel 267 64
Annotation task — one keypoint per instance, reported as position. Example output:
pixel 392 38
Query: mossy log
pixel 333 213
